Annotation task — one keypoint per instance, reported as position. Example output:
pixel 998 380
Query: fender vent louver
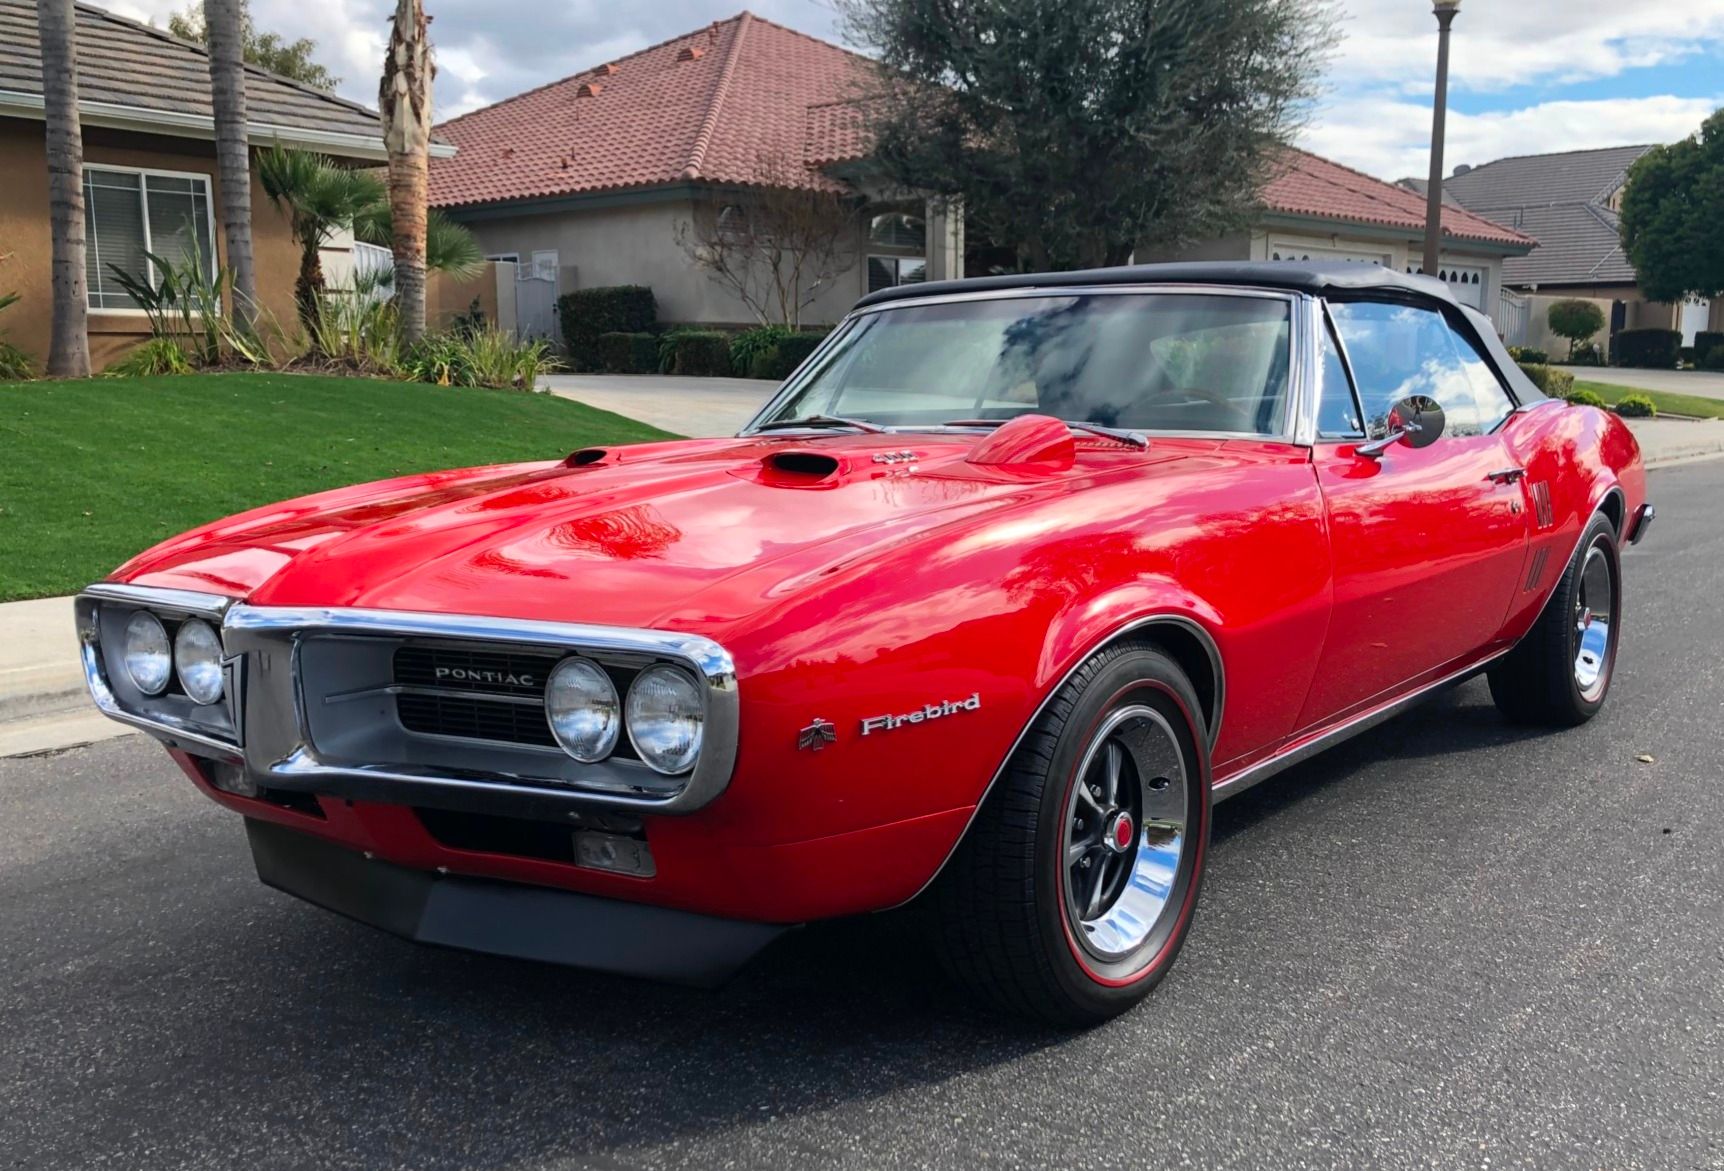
pixel 1542 510
pixel 1536 573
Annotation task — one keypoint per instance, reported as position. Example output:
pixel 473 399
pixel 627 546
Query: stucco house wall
pixel 24 233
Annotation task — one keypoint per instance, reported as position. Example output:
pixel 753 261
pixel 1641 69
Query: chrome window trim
pixel 1299 420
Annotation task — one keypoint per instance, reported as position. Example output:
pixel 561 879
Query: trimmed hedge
pixel 1527 356
pixel 1650 349
pixel 1705 342
pixel 1636 406
pixel 779 362
pixel 627 353
pixel 1583 398
pixel 1713 359
pixel 1555 383
pixel 585 314
pixel 703 353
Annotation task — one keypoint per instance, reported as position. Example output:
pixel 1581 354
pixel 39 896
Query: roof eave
pixel 115 116
pixel 1376 231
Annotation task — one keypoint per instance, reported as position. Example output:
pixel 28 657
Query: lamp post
pixel 1445 11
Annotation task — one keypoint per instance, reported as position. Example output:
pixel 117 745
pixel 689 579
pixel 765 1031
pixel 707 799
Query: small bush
pixel 1705 342
pixel 488 357
pixel 1555 383
pixel 1650 349
pixel 782 360
pixel 158 355
pixel 1713 359
pixel 627 353
pixel 700 352
pixel 1526 355
pixel 587 313
pixel 1636 406
pixel 753 345
pixel 1575 320
pixel 1583 398
pixel 1586 354
pixel 15 364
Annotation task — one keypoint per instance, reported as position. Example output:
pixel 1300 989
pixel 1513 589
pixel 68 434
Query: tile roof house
pixel 151 180
pixel 587 179
pixel 1570 201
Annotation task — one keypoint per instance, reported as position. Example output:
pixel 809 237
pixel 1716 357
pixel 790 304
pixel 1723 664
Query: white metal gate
pixel 1513 317
pixel 535 305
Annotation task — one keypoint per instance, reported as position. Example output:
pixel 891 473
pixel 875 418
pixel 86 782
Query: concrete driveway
pixel 1705 383
pixel 697 407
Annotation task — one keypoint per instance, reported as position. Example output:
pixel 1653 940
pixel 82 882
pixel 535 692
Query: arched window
pixel 732 220
pixel 896 229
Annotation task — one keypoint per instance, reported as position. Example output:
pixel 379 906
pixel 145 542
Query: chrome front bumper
pixel 309 706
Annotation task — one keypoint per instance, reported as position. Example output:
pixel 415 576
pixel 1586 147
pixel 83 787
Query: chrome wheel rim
pixel 1594 614
pixel 1127 831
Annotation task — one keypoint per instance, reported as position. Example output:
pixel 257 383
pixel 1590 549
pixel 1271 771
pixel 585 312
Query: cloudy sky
pixel 1529 75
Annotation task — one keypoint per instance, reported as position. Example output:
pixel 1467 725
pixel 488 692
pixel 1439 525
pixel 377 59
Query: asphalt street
pixel 1446 944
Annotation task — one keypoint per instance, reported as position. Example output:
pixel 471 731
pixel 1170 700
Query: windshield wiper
pixel 1136 438
pixel 824 421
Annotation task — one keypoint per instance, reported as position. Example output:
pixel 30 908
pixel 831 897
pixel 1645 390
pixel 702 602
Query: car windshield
pixel 1197 362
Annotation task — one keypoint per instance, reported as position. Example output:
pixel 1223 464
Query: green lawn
pixel 93 471
pixel 1667 403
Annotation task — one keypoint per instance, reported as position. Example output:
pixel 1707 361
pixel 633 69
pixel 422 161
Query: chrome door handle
pixel 1507 475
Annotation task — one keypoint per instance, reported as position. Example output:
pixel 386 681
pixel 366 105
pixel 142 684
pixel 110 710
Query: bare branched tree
pixel 774 246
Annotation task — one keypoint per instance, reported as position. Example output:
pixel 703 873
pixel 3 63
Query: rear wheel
pixel 1072 893
pixel 1559 674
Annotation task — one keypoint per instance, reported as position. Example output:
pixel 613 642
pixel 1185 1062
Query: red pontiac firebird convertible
pixel 1006 586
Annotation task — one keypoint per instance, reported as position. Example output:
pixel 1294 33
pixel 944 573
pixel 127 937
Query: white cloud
pixel 1392 138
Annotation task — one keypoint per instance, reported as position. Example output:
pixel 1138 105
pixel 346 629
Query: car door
pixel 1427 543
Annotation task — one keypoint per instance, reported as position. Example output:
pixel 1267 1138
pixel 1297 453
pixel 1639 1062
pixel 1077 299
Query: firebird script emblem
pixel 817 735
pixel 932 711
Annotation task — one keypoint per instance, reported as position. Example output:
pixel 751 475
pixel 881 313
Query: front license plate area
pixel 613 852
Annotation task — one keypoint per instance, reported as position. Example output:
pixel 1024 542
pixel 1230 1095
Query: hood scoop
pixel 1029 440
pixel 588 457
pixel 795 467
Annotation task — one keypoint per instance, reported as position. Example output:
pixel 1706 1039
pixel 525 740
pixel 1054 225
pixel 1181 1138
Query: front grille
pixel 474 719
pixel 483 672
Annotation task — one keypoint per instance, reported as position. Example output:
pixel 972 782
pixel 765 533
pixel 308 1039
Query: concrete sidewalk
pixel 700 408
pixel 44 707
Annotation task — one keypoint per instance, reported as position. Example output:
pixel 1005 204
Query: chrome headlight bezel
pixel 147 646
pixel 198 662
pixel 602 702
pixel 685 704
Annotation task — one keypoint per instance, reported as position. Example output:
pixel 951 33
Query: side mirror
pixel 1415 421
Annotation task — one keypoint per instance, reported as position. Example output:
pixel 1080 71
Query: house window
pixel 899 230
pixel 128 213
pixel 888 272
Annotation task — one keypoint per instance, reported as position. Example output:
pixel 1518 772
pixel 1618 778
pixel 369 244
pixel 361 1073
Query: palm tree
pixel 69 344
pixel 449 247
pixel 225 20
pixel 319 199
pixel 404 99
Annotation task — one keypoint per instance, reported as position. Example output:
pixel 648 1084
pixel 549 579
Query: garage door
pixel 1293 250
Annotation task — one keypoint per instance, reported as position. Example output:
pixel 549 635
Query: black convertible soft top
pixel 1301 276
pixel 1316 278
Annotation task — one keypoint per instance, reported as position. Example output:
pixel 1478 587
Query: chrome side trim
pixel 1241 781
pixel 1148 620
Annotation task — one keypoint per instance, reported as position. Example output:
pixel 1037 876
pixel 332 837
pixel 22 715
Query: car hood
pixel 705 530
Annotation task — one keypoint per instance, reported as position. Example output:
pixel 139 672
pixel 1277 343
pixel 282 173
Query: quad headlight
pixel 666 719
pixel 149 659
pixel 581 705
pixel 197 658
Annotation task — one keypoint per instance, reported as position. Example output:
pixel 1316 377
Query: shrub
pixel 627 353
pixel 158 355
pixel 1653 349
pixel 1636 406
pixel 15 364
pixel 587 313
pixel 753 345
pixel 1586 354
pixel 700 352
pixel 1705 342
pixel 1713 359
pixel 486 357
pixel 355 329
pixel 1529 356
pixel 1575 320
pixel 1583 398
pixel 782 360
pixel 1555 383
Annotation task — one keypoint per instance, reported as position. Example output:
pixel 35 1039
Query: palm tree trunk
pixel 225 22
pixel 404 99
pixel 69 344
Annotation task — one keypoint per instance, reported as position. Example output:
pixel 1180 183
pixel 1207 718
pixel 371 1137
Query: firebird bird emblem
pixel 817 735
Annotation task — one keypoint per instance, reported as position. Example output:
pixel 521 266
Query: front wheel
pixel 1560 672
pixel 1074 890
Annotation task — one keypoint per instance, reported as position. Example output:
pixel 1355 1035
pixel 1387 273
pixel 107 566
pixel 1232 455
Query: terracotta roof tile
pixel 728 103
pixel 1312 186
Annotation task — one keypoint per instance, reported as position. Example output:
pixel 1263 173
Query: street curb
pixel 59 732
